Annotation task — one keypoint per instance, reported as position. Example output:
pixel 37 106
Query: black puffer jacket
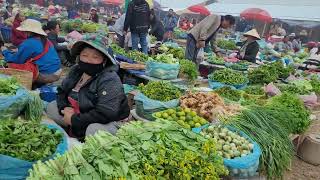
pixel 101 99
pixel 157 29
pixel 137 17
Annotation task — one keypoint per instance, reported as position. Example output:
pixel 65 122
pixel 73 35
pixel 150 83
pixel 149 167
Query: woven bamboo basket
pixel 23 77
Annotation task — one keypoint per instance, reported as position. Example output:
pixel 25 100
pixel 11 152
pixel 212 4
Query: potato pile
pixel 207 105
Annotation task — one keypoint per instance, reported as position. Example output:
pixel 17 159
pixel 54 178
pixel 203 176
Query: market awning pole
pixel 264 29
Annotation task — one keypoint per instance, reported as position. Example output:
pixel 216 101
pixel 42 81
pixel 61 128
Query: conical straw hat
pixel 253 33
pixel 31 25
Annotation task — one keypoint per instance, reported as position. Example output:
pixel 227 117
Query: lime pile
pixel 185 117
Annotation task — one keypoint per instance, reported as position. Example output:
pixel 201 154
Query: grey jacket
pixel 206 28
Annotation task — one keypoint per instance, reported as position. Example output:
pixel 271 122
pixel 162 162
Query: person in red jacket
pixel 17 37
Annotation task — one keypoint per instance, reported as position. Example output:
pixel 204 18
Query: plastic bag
pixel 217 85
pixel 153 104
pixel 75 35
pixel 145 106
pixel 271 90
pixel 246 166
pixel 200 54
pixel 309 100
pixel 11 106
pixel 14 169
pixel 162 70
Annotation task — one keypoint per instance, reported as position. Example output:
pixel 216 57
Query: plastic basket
pixel 6 34
pixel 23 77
pixel 217 85
pixel 242 167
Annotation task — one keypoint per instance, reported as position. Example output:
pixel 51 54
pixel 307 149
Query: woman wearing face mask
pixel 91 98
pixel 36 54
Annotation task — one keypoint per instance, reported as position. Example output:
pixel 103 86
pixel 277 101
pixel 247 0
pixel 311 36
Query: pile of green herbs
pixel 254 90
pixel 160 91
pixel 226 44
pixel 315 84
pixel 164 58
pixel 273 139
pixel 8 86
pixel 177 52
pixel 189 69
pixel 268 73
pixel 297 119
pixel 214 59
pixel 229 93
pixel 133 55
pixel 294 89
pixel 228 77
pixel 27 140
pixel 154 150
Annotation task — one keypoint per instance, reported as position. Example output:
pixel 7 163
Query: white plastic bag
pixel 200 55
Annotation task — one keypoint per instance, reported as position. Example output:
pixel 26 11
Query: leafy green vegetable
pixel 291 88
pixel 134 55
pixel 8 86
pixel 254 90
pixel 103 156
pixel 137 56
pixel 160 91
pixel 269 73
pixel 241 66
pixel 154 150
pixel 290 103
pixel 315 84
pixel 27 140
pixel 177 52
pixel 164 58
pixel 229 93
pixel 189 69
pixel 216 60
pixel 226 44
pixel 228 76
pixel 264 74
pixel 272 137
pixel 171 152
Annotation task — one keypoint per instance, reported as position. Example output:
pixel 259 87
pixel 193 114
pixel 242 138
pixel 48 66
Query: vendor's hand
pixel 68 112
pixel 3 48
pixel 67 116
pixel 219 54
pixel 201 44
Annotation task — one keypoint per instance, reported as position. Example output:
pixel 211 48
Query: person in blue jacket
pixel 36 54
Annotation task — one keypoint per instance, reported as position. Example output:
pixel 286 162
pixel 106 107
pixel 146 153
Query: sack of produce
pixel 227 77
pixel 13 98
pixel 163 66
pixel 23 143
pixel 145 106
pixel 272 90
pixel 240 153
pixel 156 96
